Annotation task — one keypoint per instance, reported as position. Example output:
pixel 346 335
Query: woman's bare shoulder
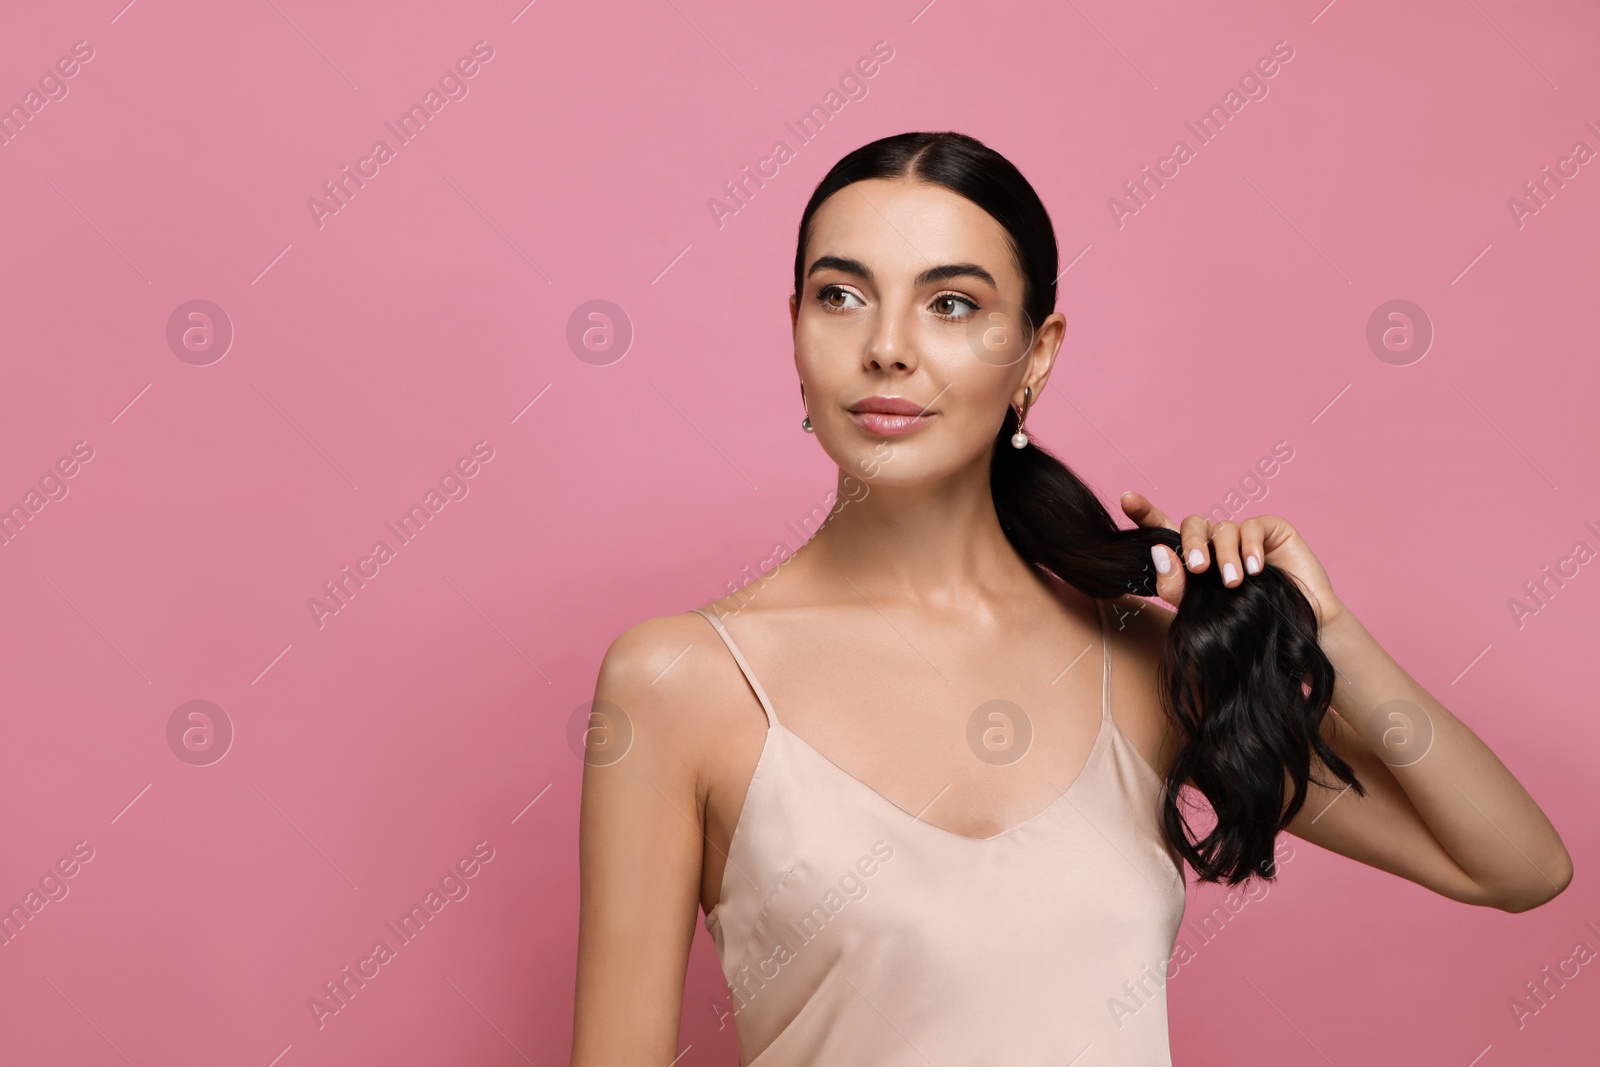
pixel 642 652
pixel 1137 629
pixel 672 675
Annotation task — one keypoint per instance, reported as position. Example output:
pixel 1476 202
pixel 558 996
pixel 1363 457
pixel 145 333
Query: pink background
pixel 431 712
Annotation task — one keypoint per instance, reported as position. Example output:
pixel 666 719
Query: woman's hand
pixel 1240 549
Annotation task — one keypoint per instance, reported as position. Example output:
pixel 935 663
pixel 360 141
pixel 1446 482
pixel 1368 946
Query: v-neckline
pixel 764 758
pixel 773 723
pixel 1100 739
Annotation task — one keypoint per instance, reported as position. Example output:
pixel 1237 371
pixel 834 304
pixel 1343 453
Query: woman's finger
pixel 1196 534
pixel 1170 578
pixel 1225 546
pixel 1251 545
pixel 1138 508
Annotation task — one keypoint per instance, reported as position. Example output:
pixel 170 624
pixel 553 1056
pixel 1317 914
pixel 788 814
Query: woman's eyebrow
pixel 932 274
pixel 956 270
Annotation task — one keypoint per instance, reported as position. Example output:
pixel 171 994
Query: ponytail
pixel 1242 678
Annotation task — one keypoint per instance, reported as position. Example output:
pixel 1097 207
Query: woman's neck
pixel 932 543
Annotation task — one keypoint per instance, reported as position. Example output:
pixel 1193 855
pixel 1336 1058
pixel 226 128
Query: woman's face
pixel 911 293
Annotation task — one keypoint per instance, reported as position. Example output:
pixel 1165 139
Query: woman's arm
pixel 639 851
pixel 1442 809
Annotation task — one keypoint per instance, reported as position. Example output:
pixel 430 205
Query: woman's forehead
pixel 898 229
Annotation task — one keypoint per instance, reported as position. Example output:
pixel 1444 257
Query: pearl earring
pixel 1020 439
pixel 805 423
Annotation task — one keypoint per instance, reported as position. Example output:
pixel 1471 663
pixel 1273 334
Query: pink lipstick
pixel 890 416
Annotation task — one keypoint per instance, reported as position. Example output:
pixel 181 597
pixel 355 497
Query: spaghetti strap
pixel 744 666
pixel 1105 667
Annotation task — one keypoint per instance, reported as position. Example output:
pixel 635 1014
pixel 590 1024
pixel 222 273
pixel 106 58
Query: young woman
pixel 934 778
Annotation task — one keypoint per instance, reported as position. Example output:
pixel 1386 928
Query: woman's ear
pixel 1047 348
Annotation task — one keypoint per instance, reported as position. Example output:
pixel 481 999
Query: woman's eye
pixel 954 303
pixel 826 294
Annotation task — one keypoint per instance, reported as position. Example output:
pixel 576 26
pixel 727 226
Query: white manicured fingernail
pixel 1252 564
pixel 1230 573
pixel 1196 557
pixel 1159 554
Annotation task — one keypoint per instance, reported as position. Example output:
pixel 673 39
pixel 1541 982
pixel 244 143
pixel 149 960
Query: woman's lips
pixel 885 425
